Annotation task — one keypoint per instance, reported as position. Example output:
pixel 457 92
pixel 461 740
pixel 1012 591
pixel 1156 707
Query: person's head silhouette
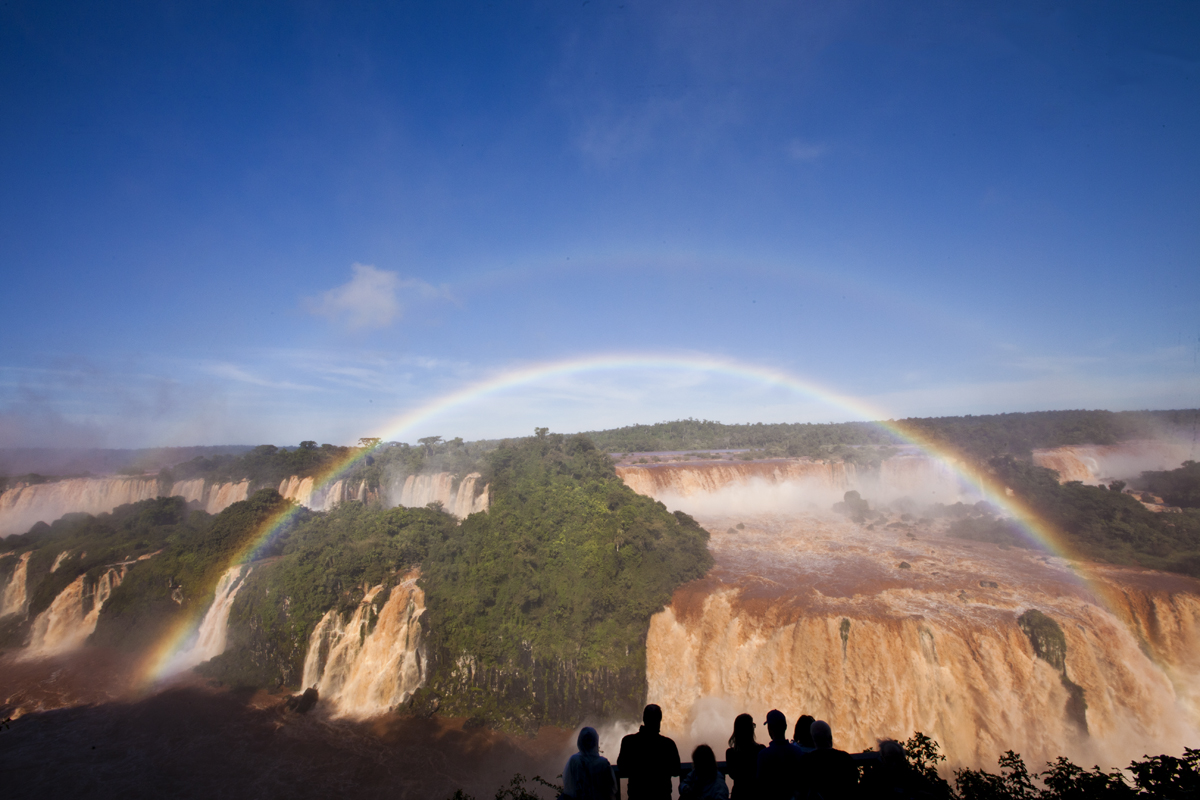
pixel 822 735
pixel 777 725
pixel 652 718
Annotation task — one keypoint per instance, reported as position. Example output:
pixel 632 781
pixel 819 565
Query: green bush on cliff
pixel 178 582
pixel 1177 487
pixel 568 565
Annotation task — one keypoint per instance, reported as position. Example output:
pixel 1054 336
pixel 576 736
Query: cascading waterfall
pixel 892 628
pixel 1097 463
pixel 214 628
pixel 13 600
pixel 420 490
pixel 72 616
pixel 22 506
pixel 792 485
pixel 59 559
pixel 363 671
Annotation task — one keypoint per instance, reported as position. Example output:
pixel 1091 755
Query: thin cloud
pixel 371 299
pixel 235 373
pixel 799 150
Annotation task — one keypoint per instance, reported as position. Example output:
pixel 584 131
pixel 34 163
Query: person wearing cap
pixel 779 764
pixel 649 759
pixel 828 773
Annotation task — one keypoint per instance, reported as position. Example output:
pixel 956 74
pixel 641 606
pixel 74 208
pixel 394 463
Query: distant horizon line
pixel 48 448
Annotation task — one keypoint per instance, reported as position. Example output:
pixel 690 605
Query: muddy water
pixel 816 614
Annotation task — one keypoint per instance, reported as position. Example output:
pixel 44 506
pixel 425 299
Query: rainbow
pixel 1035 528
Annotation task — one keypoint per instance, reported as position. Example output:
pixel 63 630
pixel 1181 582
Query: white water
pixel 795 486
pixel 418 491
pixel 214 629
pixel 58 559
pixel 304 492
pixel 363 674
pixel 22 506
pixel 1096 464
pixel 65 625
pixel 13 600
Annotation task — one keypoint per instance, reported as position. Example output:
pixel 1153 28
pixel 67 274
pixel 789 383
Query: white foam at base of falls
pixel 212 635
pixel 13 600
pixel 360 673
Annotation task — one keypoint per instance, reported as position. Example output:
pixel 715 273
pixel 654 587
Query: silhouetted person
pixel 741 759
pixel 828 774
pixel 649 759
pixel 894 778
pixel 704 782
pixel 588 775
pixel 802 737
pixel 779 763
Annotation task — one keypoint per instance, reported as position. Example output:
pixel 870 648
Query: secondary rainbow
pixel 1037 529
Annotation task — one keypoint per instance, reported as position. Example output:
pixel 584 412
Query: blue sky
pixel 238 223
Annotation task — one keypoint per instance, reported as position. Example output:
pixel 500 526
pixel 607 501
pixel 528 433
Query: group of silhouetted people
pixel 806 768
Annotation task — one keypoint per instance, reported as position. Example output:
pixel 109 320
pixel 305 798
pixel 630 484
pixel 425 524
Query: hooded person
pixel 705 781
pixel 588 775
pixel 649 759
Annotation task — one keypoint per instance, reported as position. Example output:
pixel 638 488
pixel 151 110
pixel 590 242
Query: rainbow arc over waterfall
pixel 1037 529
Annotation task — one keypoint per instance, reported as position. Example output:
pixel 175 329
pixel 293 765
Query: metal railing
pixel 865 757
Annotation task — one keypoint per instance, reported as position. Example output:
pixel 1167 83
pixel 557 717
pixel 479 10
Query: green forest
pixel 981 437
pixel 566 568
pixel 1105 522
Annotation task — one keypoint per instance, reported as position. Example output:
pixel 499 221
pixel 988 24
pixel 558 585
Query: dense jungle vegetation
pixel 981 437
pixel 190 549
pixel 1105 523
pixel 567 566
pixel 1162 777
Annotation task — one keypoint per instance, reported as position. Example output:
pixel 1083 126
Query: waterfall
pixel 881 634
pixel 190 490
pixel 362 671
pixel 22 506
pixel 13 600
pixel 73 614
pixel 792 486
pixel 1096 464
pixel 214 628
pixel 221 496
pixel 418 491
pixel 58 559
